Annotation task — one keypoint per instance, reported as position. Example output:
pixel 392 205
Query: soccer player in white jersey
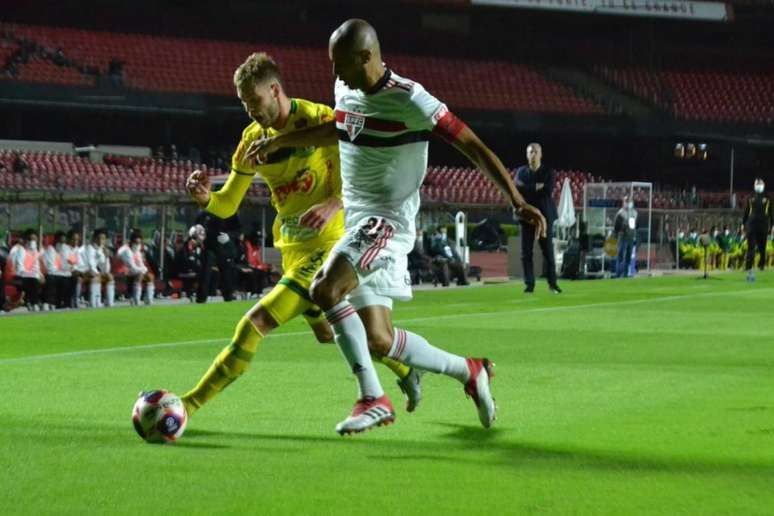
pixel 383 123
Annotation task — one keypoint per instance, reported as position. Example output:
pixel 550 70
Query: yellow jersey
pixel 298 178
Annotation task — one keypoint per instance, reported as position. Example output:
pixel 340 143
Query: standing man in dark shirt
pixel 535 183
pixel 757 221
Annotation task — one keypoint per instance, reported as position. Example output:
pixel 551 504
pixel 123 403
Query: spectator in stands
pixel 58 275
pixel 758 219
pixel 20 165
pixel 98 273
pixel 116 73
pixel 190 259
pixel 132 258
pixel 26 264
pixel 625 228
pixel 446 261
pixel 536 183
pixel 75 260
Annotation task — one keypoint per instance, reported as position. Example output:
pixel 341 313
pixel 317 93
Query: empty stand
pixel 165 64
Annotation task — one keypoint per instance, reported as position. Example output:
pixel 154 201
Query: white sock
pixel 414 350
pixel 95 294
pixel 77 293
pixel 350 335
pixel 137 291
pixel 110 292
pixel 150 290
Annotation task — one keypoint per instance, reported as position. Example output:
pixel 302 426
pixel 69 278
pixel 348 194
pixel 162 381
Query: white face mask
pixel 694 234
pixel 32 246
pixel 630 205
pixel 727 232
pixel 715 233
pixel 681 234
pixel 135 248
pixel 759 187
pixel 59 246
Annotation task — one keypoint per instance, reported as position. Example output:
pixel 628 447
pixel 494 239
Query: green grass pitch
pixel 647 396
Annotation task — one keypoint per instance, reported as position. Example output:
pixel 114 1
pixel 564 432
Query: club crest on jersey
pixel 354 123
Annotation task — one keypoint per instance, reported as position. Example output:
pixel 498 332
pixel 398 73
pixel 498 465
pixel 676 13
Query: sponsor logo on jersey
pixel 303 183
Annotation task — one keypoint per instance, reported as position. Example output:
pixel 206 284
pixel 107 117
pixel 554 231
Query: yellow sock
pixel 401 370
pixel 227 367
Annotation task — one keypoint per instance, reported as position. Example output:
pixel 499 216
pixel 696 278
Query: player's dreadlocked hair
pixel 258 67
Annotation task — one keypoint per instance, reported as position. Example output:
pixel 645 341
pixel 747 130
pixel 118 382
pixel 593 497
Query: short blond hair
pixel 257 68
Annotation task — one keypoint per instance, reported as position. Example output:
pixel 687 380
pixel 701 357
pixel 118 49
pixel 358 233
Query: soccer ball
pixel 159 416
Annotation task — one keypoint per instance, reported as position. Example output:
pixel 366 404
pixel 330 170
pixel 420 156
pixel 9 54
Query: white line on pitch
pixel 69 354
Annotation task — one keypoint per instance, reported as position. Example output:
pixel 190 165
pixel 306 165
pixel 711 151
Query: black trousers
pixel 207 276
pixel 31 289
pixel 57 291
pixel 546 246
pixel 756 242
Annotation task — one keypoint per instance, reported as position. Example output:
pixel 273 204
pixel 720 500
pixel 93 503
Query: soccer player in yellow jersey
pixel 305 187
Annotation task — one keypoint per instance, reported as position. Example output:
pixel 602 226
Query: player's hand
pixel 259 150
pixel 198 186
pixel 318 215
pixel 533 216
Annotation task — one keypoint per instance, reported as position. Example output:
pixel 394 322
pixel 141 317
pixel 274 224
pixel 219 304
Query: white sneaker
pixel 477 387
pixel 410 386
pixel 367 413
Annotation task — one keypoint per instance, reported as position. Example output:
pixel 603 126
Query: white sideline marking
pixel 84 352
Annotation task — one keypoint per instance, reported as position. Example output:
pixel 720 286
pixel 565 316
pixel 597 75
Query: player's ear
pixel 365 56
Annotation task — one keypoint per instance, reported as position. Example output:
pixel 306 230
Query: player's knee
pixel 324 293
pixel 262 320
pixel 379 342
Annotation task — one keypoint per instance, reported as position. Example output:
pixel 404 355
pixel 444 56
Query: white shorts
pixel 378 253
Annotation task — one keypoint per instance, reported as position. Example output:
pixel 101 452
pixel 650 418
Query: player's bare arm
pixel 322 135
pixel 318 215
pixel 469 144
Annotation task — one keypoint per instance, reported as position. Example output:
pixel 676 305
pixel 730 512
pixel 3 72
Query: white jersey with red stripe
pixel 383 141
pixel 133 260
pixel 55 263
pixel 26 263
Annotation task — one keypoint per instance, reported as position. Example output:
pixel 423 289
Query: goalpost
pixel 601 201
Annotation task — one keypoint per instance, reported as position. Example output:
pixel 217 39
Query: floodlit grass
pixel 647 396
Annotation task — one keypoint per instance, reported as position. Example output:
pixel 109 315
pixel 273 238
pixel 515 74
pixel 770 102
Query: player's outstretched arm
pixel 469 144
pixel 322 135
pixel 318 215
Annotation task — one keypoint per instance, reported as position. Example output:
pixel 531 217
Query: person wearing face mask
pixel 190 259
pixel 757 221
pixel 713 250
pixel 535 182
pixel 58 274
pixel 74 261
pixel 98 270
pixel 625 228
pixel 26 263
pixel 132 258
pixel 688 252
pixel 725 241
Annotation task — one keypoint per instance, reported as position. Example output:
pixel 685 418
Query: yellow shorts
pixel 290 297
